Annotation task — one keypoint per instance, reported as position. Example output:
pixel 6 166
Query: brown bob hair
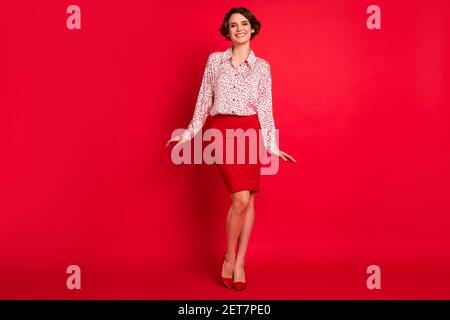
pixel 255 24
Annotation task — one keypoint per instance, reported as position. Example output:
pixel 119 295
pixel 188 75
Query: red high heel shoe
pixel 239 285
pixel 228 282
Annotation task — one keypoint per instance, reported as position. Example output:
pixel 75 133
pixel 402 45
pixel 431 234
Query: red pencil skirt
pixel 238 176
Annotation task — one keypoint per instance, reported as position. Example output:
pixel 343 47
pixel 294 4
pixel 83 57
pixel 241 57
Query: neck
pixel 241 50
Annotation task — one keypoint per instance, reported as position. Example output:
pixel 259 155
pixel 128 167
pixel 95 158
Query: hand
pixel 179 139
pixel 286 157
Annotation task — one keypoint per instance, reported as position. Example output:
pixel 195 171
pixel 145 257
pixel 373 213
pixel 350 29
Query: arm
pixel 264 109
pixel 204 102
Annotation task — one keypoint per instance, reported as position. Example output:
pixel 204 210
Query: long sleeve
pixel 264 109
pixel 204 102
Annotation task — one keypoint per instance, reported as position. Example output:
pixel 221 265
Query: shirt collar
pixel 251 59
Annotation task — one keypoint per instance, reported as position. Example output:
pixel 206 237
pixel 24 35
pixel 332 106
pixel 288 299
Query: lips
pixel 240 34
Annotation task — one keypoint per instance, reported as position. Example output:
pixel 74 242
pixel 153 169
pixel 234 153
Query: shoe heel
pixel 228 282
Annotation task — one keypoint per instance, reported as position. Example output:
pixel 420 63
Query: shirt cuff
pixel 187 135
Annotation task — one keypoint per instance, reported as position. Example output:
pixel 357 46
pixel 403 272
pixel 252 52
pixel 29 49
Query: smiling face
pixel 239 28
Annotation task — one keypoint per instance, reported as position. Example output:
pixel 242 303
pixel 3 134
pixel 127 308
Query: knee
pixel 241 203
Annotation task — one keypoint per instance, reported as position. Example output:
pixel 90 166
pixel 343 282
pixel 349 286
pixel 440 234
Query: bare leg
pixel 239 273
pixel 235 222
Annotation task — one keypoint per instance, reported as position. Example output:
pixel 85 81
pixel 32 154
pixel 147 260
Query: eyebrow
pixel 241 21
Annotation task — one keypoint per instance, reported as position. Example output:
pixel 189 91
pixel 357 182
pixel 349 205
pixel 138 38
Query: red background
pixel 85 180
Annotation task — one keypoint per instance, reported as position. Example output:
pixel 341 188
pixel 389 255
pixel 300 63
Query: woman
pixel 236 92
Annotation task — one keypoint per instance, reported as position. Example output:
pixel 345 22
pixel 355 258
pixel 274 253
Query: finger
pixel 287 156
pixel 171 141
pixel 291 158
